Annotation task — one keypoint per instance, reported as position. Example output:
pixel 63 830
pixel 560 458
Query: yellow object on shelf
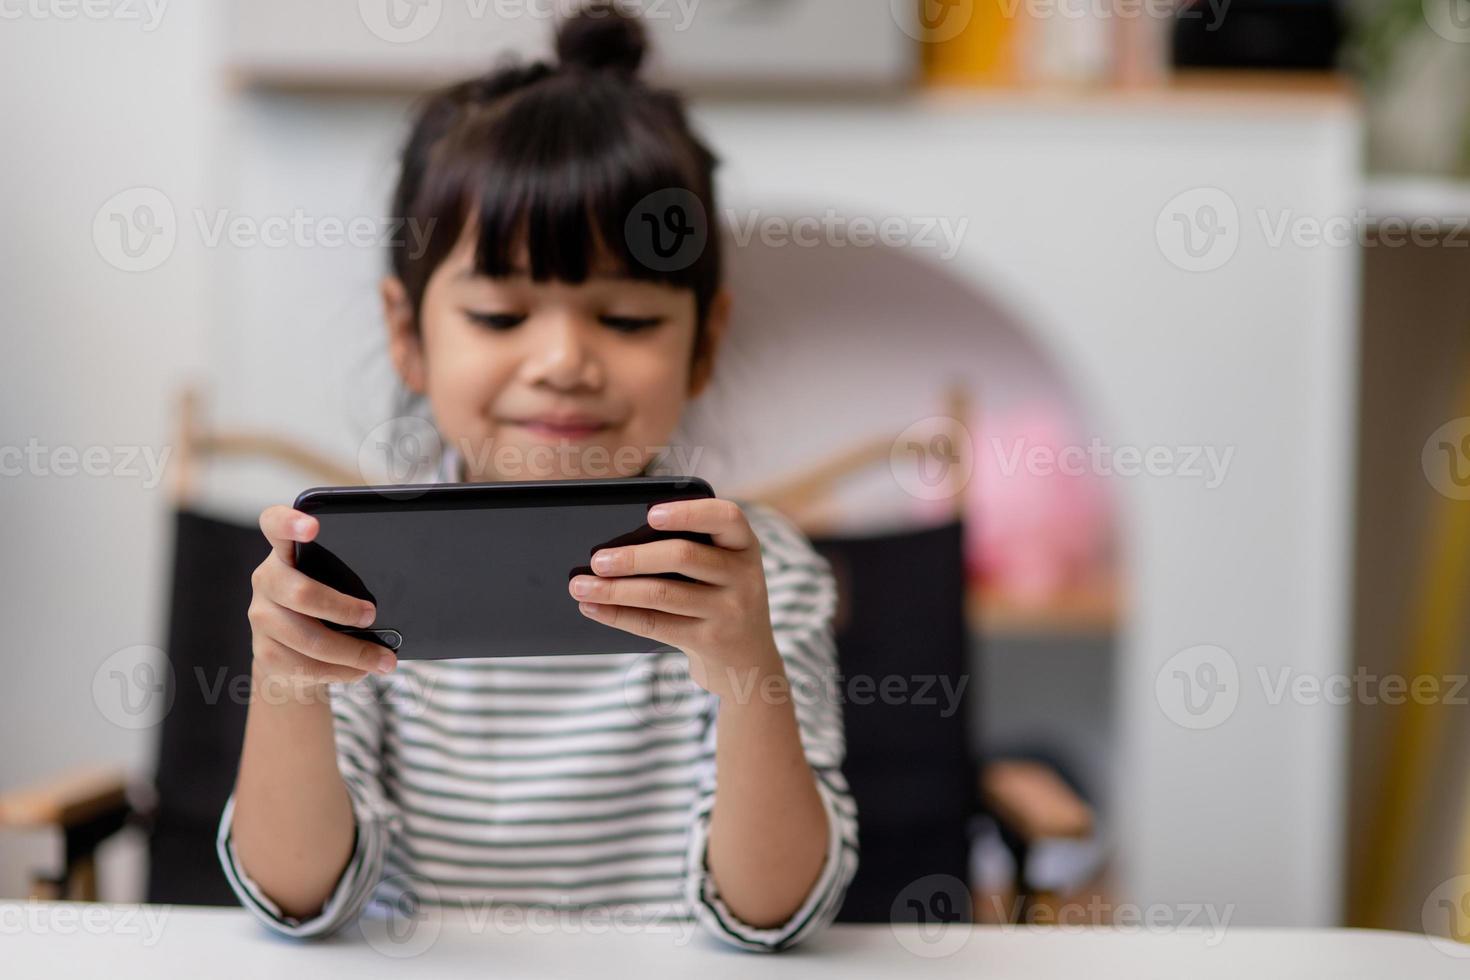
pixel 969 42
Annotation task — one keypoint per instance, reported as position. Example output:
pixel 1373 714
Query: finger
pixel 286 586
pixel 723 520
pixel 682 598
pixel 285 662
pixel 312 639
pixel 701 562
pixel 283 526
pixel 664 627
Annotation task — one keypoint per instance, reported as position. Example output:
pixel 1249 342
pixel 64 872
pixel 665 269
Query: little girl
pixel 702 785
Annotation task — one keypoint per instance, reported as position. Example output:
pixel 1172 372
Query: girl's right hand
pixel 288 641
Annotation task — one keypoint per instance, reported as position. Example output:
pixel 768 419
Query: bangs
pixel 554 180
pixel 560 174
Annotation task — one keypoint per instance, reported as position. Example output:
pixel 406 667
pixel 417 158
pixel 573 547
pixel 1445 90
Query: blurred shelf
pixel 1090 612
pixel 1192 89
pixel 294 78
pixel 1444 200
pixel 370 79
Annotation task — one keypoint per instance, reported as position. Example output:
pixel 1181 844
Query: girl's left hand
pixel 721 620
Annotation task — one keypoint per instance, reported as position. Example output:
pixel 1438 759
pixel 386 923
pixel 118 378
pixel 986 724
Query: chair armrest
pixel 68 800
pixel 1033 802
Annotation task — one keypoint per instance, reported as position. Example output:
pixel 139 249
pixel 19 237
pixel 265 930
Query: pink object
pixel 1040 512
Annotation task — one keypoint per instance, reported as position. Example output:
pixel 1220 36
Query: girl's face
pixel 550 380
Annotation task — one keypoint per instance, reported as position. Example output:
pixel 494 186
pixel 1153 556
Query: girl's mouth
pixel 546 429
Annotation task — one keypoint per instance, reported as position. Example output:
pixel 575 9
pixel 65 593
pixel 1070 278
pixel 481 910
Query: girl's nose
pixel 563 357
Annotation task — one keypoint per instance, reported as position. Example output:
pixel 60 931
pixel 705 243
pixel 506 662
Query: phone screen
pixel 470 578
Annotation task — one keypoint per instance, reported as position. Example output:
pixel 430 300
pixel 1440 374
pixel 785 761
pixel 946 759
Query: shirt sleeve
pixel 803 599
pixel 357 726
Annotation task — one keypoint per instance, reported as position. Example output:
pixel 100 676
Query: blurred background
pixel 1179 293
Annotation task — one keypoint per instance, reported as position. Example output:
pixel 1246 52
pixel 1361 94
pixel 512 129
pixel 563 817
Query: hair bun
pixel 601 37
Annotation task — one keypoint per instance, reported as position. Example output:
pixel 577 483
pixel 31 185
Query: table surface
pixel 120 941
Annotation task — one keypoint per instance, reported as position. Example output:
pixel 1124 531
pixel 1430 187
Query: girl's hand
pixel 721 620
pixel 287 639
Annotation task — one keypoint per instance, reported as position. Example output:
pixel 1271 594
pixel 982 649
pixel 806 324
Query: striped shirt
pixel 571 783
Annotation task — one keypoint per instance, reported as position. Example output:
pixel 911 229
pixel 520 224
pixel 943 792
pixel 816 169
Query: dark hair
pixel 554 159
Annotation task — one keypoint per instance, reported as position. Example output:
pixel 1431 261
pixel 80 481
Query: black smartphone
pixel 471 570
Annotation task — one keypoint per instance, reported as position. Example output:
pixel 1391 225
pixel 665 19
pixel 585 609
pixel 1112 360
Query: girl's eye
pixel 497 321
pixel 631 324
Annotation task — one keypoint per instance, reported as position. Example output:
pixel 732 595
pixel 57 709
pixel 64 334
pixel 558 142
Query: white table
pixel 121 941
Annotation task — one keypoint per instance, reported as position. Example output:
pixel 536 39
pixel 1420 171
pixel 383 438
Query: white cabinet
pixel 1072 278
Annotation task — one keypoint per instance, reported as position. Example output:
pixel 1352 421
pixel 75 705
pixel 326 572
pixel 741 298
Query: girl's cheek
pixel 464 395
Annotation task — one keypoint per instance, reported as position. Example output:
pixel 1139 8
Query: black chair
pixel 909 761
pixel 200 739
pixel 904 609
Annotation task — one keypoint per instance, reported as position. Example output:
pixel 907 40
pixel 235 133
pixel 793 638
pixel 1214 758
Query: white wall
pixel 90 353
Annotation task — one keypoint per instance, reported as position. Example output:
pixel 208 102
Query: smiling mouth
pixel 561 430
